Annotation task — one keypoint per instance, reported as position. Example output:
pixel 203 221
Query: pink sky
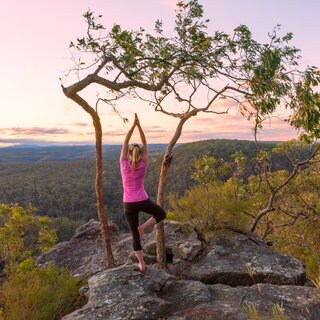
pixel 34 54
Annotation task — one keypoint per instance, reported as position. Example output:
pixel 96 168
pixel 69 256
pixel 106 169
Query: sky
pixel 35 54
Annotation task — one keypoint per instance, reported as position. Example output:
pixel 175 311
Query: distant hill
pixel 34 154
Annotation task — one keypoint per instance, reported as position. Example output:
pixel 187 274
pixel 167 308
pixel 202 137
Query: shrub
pixel 210 208
pixel 37 293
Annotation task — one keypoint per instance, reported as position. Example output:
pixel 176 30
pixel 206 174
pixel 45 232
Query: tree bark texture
pixel 163 179
pixel 105 234
pixel 160 235
pixel 100 203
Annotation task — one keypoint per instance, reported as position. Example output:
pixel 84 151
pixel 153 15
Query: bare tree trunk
pixel 163 179
pixel 99 172
pixel 100 203
pixel 160 235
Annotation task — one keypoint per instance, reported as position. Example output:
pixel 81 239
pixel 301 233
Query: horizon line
pixel 78 144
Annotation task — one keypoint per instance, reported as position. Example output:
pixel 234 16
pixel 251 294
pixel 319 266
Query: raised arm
pixel 143 140
pixel 124 150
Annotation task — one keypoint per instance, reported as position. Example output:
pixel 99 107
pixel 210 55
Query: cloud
pixel 236 127
pixel 37 142
pixel 80 124
pixel 115 133
pixel 33 131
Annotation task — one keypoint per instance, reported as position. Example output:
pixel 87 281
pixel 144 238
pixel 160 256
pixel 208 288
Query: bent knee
pixel 161 216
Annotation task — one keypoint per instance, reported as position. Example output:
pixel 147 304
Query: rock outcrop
pixel 126 293
pixel 236 259
pixel 83 255
pixel 212 278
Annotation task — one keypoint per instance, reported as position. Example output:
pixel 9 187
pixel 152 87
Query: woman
pixel 133 166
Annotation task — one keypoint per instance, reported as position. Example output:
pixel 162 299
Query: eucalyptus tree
pixel 186 73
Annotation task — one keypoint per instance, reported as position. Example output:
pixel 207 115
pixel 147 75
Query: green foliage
pixel 62 190
pixel 66 228
pixel 23 234
pixel 294 150
pixel 38 294
pixel 262 76
pixel 306 105
pixel 209 170
pixel 293 225
pixel 30 292
pixel 210 208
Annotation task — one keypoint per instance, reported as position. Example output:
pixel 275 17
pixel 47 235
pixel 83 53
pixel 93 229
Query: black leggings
pixel 131 212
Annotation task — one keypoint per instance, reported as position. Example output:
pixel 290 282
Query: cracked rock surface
pixel 207 280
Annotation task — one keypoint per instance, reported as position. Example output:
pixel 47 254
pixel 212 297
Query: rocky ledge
pixel 219 277
pixel 125 293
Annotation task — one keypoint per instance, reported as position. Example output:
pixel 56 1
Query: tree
pixel 218 199
pixel 256 77
pixel 37 293
pixel 23 234
pixel 275 186
pixel 27 289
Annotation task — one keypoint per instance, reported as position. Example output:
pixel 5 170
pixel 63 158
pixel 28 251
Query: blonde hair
pixel 135 155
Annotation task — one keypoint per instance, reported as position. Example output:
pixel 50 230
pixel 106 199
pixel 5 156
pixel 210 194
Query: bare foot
pixel 142 266
pixel 141 232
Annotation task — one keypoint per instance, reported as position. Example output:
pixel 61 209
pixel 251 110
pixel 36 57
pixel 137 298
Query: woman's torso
pixel 133 181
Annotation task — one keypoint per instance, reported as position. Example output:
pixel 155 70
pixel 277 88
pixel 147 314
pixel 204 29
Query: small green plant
pixel 250 271
pixel 316 282
pixel 278 312
pixel 251 274
pixel 252 311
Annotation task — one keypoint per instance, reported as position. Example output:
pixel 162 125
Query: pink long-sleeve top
pixel 133 181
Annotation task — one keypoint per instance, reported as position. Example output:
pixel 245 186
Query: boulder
pixel 236 259
pixel 182 242
pixel 124 293
pixel 83 255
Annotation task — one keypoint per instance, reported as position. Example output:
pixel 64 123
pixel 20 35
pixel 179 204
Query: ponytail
pixel 135 154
